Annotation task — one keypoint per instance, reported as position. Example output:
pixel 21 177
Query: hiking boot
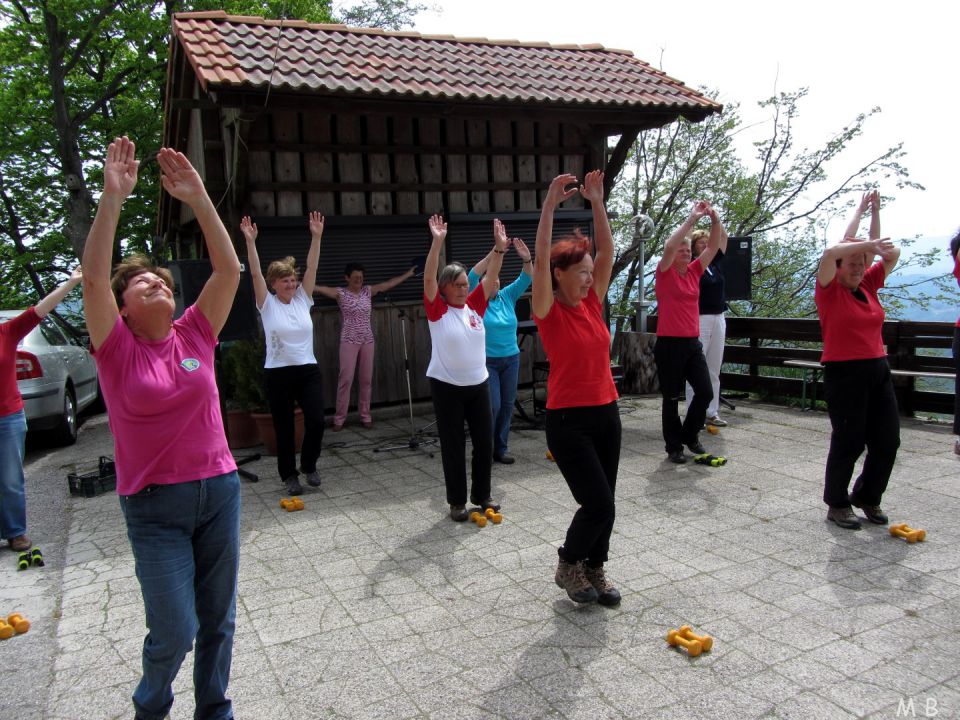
pixel 874 513
pixel 844 517
pixel 607 594
pixel 293 486
pixel 570 577
pixel 695 447
pixel 716 421
pixel 313 479
pixel 458 513
pixel 488 504
pixel 19 543
pixel 677 457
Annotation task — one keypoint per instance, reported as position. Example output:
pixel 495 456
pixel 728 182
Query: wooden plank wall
pixel 379 164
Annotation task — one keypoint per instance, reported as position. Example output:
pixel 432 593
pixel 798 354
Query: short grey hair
pixel 450 273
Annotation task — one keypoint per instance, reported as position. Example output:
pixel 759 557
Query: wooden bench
pixel 813 370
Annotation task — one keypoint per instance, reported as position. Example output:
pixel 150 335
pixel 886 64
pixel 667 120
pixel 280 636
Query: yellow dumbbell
pixel 693 647
pixel 495 517
pixel 18 622
pixel 706 642
pixel 480 520
pixel 908 533
pixel 5 630
pixel 291 504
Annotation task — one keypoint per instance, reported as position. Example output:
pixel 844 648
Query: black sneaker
pixel 844 517
pixel 458 513
pixel 677 457
pixel 293 486
pixel 488 504
pixel 504 459
pixel 695 447
pixel 874 513
pixel 313 479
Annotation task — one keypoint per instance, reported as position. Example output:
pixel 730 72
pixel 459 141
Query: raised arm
pixel 561 188
pixel 56 296
pixel 697 211
pixel 250 232
pixel 390 284
pixel 309 281
pixel 438 233
pixel 119 179
pixel 853 227
pixel 481 267
pixel 874 215
pixel 182 182
pixel 828 260
pixel 889 255
pixel 592 190
pixel 500 244
pixel 524 252
pixel 717 239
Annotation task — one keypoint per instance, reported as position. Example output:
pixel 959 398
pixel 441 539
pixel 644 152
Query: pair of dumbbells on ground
pixel 292 504
pixel 685 637
pixel 481 518
pixel 908 533
pixel 30 557
pixel 15 623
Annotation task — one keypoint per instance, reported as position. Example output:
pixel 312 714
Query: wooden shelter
pixel 378 130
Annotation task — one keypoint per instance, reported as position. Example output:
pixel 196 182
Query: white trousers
pixel 713 336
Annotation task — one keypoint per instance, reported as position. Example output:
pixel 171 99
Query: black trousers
pixel 303 384
pixel 680 361
pixel 956 382
pixel 863 414
pixel 453 404
pixel 585 442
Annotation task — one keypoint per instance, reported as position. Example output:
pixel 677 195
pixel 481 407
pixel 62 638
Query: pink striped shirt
pixel 355 310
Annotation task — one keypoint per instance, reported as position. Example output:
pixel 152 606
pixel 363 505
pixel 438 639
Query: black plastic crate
pixel 103 479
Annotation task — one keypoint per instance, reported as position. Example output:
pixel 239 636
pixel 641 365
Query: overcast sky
pixel 902 57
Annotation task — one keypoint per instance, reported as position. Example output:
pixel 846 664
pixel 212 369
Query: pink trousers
pixel 349 352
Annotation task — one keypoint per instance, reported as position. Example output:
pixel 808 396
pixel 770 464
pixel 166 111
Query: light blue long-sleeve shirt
pixel 500 320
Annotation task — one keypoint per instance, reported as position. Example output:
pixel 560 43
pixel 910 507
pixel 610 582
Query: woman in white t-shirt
pixel 291 369
pixel 458 369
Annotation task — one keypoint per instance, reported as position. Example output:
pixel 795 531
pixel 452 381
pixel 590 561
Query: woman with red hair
pixel 583 420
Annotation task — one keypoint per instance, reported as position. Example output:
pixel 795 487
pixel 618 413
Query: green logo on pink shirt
pixel 190 364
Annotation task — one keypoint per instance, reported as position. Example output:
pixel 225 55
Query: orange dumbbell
pixel 908 533
pixel 18 622
pixel 291 504
pixel 676 637
pixel 480 520
pixel 706 642
pixel 5 630
pixel 494 517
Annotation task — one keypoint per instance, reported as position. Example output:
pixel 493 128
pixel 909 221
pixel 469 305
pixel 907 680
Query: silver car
pixel 56 376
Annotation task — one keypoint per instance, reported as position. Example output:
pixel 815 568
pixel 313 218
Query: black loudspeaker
pixel 189 277
pixel 738 268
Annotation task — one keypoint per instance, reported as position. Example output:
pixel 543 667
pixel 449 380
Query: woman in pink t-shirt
pixel 176 477
pixel 13 422
pixel 857 384
pixel 356 338
pixel 955 254
pixel 583 421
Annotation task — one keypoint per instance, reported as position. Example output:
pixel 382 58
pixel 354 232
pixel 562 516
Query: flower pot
pixel 268 435
pixel 241 430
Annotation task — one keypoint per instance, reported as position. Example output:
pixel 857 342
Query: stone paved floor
pixel 370 603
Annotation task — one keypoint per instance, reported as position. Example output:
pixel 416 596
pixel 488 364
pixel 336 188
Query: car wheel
pixel 65 433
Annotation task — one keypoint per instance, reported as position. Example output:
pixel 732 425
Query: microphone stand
pixel 416 439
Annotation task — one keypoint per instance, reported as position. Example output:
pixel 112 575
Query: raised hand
pixel 248 229
pixel 874 201
pixel 500 240
pixel 699 209
pixel 438 228
pixel 592 188
pixel 316 224
pixel 560 189
pixel 883 247
pixel 120 168
pixel 522 250
pixel 179 178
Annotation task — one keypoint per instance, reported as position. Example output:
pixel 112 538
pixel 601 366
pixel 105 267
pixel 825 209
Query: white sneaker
pixel 716 421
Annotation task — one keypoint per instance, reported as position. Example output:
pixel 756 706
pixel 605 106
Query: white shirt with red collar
pixel 458 356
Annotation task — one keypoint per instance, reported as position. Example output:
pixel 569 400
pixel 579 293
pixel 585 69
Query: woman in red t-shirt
pixel 583 421
pixel 679 352
pixel 955 253
pixel 856 377
pixel 13 422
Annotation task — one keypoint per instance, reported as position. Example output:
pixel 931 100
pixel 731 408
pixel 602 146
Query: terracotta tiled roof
pixel 243 52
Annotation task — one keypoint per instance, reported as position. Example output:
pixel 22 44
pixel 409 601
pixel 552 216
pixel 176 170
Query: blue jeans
pixel 13 502
pixel 504 372
pixel 186 546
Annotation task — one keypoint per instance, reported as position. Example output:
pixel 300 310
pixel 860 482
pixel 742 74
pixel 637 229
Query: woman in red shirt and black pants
pixel 856 377
pixel 678 352
pixel 583 421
